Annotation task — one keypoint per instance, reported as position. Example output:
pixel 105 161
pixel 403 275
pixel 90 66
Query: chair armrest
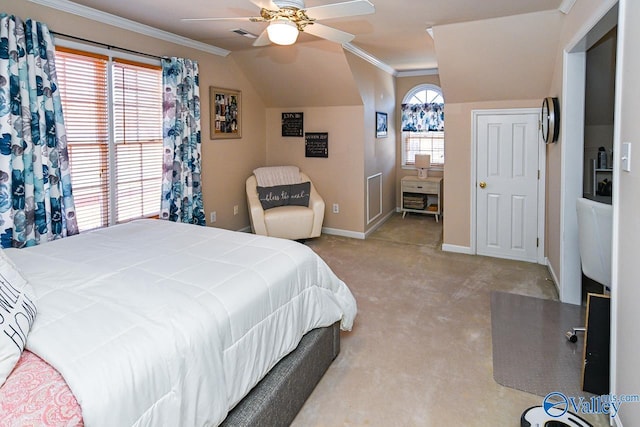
pixel 317 204
pixel 256 213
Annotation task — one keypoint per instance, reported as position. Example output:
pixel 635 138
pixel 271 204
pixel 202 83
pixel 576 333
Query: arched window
pixel 423 124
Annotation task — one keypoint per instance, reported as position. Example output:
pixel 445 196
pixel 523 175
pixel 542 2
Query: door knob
pixel 482 184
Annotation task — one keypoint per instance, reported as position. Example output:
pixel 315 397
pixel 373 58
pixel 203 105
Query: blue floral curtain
pixel 422 117
pixel 181 189
pixel 36 202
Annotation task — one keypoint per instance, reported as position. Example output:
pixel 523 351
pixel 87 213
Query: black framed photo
pixel 381 124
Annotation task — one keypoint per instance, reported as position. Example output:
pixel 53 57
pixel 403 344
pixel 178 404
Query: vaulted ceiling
pixel 395 34
pixel 482 50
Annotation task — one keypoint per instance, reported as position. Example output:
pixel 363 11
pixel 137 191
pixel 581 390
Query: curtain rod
pixel 108 46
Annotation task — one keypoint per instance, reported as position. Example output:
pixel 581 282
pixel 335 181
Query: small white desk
pixel 421 196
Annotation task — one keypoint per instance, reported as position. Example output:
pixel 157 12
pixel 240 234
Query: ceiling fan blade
pixel 339 10
pixel 235 18
pixel 328 33
pixel 265 4
pixel 262 40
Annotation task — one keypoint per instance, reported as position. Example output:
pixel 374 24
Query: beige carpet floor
pixel 420 350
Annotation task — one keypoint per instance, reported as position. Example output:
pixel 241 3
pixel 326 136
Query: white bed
pixel 157 323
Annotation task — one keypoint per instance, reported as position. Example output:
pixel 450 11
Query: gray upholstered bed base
pixel 276 399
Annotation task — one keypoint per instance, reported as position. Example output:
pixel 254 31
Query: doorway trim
pixel 574 72
pixel 572 148
pixel 475 114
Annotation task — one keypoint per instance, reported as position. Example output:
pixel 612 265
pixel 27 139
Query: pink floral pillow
pixel 17 313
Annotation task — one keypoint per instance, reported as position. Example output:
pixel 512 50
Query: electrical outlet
pixel 336 208
pixel 212 216
pixel 235 210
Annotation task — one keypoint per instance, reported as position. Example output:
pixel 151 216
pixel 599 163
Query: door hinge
pixel 538 173
pixel 537 242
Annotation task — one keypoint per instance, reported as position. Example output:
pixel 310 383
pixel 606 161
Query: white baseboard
pixel 378 224
pixel 343 233
pixel 554 277
pixel 457 249
pixel 246 229
pixel 356 234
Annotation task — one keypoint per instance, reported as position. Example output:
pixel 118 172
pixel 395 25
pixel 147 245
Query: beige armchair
pixel 288 222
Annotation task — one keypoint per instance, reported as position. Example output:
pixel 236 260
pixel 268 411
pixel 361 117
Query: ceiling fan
pixel 287 18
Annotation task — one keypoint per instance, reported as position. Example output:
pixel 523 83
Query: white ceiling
pixel 395 34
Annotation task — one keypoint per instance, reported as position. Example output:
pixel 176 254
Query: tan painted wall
pixel 311 74
pixel 553 206
pixel 498 59
pixel 378 92
pixel 225 164
pixel 337 178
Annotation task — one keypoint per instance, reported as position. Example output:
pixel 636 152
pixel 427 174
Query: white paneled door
pixel 507 186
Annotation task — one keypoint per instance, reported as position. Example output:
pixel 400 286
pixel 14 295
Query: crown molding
pixel 369 58
pixel 414 73
pixel 127 24
pixel 385 67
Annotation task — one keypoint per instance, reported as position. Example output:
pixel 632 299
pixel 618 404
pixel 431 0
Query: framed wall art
pixel 381 124
pixel 316 144
pixel 226 113
pixel 292 124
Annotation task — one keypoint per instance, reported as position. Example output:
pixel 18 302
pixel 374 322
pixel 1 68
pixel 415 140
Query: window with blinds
pixel 431 142
pixel 114 136
pixel 422 113
pixel 137 113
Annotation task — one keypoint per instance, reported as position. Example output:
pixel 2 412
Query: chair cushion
pixel 289 222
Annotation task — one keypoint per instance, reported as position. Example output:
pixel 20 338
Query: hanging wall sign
pixel 316 144
pixel 293 124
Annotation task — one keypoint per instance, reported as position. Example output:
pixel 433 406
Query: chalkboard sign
pixel 292 124
pixel 316 144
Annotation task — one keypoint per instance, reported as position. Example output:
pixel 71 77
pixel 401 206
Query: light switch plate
pixel 625 158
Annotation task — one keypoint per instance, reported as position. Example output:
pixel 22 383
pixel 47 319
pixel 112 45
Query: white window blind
pixel 137 105
pixel 114 136
pixel 431 143
pixel 82 81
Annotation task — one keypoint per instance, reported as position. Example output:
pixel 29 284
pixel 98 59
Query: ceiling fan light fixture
pixel 282 32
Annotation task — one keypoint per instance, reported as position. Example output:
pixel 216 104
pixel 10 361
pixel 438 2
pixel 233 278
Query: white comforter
pixel 155 323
